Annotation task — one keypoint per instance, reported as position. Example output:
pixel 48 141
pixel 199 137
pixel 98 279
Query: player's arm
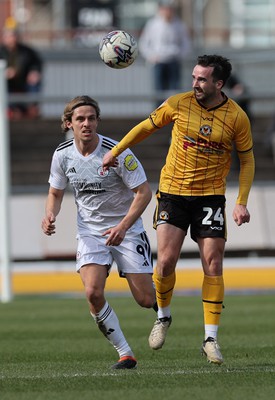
pixel 53 205
pixel 136 135
pixel 143 195
pixel 246 176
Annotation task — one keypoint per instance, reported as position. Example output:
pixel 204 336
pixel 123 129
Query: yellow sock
pixel 164 288
pixel 212 298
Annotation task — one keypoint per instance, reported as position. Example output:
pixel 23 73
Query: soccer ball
pixel 118 49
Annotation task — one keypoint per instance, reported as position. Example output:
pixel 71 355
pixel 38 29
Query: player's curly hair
pixel 75 103
pixel 221 66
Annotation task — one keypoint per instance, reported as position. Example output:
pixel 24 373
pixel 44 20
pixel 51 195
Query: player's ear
pixel 69 125
pixel 219 84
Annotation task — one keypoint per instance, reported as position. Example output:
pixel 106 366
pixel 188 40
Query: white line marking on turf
pixel 218 369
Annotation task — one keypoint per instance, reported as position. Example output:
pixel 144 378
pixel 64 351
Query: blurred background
pixel 66 34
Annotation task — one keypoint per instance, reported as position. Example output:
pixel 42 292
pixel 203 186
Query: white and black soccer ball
pixel 118 49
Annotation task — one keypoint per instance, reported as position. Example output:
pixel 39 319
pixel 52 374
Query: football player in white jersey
pixel 109 207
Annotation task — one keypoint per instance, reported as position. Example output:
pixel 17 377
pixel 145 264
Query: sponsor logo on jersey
pixel 101 172
pixel 83 187
pixel 130 162
pixel 203 145
pixel 190 139
pixel 207 118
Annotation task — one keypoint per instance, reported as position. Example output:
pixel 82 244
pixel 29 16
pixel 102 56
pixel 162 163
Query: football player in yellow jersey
pixel 192 187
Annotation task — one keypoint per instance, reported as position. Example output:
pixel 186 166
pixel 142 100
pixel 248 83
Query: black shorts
pixel 204 214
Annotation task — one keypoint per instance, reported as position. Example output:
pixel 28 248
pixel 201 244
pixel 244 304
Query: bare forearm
pixel 138 206
pixel 53 204
pixel 52 208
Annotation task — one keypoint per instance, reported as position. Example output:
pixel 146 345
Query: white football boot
pixel 158 333
pixel 211 350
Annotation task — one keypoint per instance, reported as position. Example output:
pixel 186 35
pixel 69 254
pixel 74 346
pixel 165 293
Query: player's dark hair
pixel 221 66
pixel 75 103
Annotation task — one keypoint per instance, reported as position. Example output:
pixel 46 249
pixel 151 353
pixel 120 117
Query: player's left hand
pixel 116 235
pixel 241 214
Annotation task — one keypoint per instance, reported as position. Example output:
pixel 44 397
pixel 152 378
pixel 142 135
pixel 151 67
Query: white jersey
pixel 102 198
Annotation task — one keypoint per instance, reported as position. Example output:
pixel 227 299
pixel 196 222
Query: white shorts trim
pixel 133 255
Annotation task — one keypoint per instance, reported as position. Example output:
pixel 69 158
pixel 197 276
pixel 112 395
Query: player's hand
pixel 116 235
pixel 109 161
pixel 241 214
pixel 33 78
pixel 48 224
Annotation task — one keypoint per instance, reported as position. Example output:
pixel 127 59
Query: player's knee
pixel 93 294
pixel 214 266
pixel 146 300
pixel 166 265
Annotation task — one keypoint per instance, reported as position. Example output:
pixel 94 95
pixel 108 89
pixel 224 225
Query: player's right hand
pixel 48 225
pixel 109 161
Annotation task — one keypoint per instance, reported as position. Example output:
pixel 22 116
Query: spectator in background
pixel 239 92
pixel 269 141
pixel 23 73
pixel 164 43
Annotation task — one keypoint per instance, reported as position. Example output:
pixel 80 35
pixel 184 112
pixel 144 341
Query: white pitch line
pixel 217 369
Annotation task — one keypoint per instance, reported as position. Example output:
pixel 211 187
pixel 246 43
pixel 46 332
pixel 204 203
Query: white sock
pixel 164 312
pixel 211 331
pixel 108 323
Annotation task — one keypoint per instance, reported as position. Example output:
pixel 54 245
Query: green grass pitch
pixel 50 348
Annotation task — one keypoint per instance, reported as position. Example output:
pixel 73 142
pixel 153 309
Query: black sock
pixel 155 307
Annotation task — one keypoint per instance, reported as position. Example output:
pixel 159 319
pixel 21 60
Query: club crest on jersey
pixel 101 172
pixel 164 216
pixel 130 162
pixel 205 130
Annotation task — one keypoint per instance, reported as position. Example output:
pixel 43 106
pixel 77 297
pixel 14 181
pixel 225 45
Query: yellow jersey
pixel 199 156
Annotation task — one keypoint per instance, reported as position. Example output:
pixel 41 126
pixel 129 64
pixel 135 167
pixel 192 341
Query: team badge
pixel 164 216
pixel 101 172
pixel 205 130
pixel 130 162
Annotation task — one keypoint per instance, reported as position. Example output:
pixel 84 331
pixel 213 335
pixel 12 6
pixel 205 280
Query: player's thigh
pixel 170 239
pixel 94 277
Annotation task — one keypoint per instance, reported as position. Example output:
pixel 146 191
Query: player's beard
pixel 204 98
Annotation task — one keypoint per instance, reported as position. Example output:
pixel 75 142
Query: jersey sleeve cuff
pixel 115 151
